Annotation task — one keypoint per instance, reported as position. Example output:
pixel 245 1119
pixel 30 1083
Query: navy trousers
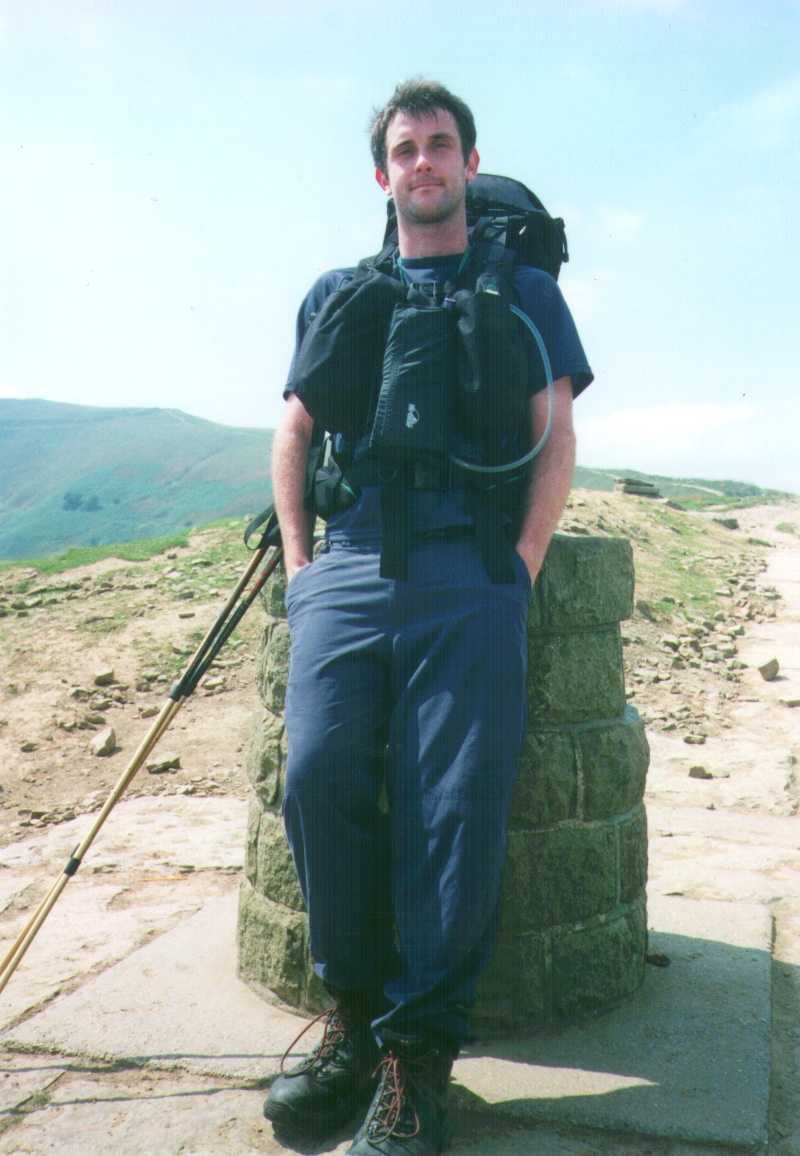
pixel 415 689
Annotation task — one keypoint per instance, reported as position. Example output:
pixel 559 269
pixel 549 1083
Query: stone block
pixel 613 759
pixel 276 877
pixel 272 670
pixel 273 594
pixel 266 759
pixel 251 844
pixel 273 945
pixel 595 967
pixel 513 992
pixel 547 787
pixel 561 875
pixel 584 582
pixel 575 677
pixel 632 834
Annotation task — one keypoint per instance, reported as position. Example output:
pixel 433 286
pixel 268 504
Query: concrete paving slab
pixel 687 1057
pixel 96 922
pixel 22 1077
pixel 175 1002
pixel 129 1113
pixel 143 834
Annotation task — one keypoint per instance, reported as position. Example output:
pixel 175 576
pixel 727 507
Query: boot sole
pixel 289 1122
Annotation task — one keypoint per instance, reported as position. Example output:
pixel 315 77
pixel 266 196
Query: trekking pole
pixel 227 621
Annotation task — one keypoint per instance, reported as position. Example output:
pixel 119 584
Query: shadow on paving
pixel 688 1056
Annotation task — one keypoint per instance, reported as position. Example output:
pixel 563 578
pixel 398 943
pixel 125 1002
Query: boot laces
pixel 390 1115
pixel 334 1035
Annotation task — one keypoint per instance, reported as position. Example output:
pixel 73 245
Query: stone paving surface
pixel 650 1066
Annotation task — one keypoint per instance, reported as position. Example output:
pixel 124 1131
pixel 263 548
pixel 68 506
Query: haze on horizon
pixel 177 176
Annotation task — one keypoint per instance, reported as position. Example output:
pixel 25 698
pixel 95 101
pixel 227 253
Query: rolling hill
pixel 74 475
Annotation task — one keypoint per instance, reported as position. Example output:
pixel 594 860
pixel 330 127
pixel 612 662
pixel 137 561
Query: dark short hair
pixel 418 97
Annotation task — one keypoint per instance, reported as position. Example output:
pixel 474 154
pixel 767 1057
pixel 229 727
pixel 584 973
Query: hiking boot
pixel 329 1085
pixel 408 1115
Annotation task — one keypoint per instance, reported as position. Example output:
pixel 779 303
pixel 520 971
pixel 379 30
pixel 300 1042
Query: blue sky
pixel 177 174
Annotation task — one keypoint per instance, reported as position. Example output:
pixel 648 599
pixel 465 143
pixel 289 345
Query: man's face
pixel 426 173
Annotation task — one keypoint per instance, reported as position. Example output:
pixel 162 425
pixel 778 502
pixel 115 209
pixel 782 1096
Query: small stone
pixel 165 763
pixel 104 743
pixel 700 772
pixel 792 702
pixel 694 740
pixel 148 711
pixel 670 641
pixel 28 746
pixel 104 676
pixel 186 614
pixel 646 610
pixel 769 670
pixel 79 692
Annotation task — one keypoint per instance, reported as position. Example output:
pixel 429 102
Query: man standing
pixel 407 676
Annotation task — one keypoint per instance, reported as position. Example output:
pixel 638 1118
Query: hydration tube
pixel 537 449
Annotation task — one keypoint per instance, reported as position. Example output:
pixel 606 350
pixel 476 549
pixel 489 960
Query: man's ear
pixel 473 161
pixel 383 180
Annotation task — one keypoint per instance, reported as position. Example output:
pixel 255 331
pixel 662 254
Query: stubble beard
pixel 444 210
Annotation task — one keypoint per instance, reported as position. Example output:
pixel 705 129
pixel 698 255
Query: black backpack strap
pixel 395 526
pixel 497 552
pixel 382 262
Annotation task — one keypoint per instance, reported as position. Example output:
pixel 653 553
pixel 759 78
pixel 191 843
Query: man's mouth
pixel 426 185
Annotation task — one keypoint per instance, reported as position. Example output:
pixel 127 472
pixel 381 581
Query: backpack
pixel 506 212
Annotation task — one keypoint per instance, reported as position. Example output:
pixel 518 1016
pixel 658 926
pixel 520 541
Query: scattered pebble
pixel 104 743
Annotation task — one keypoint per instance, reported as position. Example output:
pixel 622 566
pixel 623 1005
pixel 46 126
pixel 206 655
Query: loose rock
pixel 105 743
pixel 104 676
pixel 700 772
pixel 165 763
pixel 769 670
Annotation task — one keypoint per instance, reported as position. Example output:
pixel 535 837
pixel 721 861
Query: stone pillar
pixel 573 918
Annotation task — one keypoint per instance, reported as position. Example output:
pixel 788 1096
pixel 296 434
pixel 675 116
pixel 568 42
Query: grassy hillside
pixel 83 476
pixel 75 475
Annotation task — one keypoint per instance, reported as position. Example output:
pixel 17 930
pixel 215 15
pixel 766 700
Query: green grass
pixel 139 551
pixel 788 528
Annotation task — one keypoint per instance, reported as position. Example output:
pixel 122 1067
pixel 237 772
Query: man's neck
pixel 435 240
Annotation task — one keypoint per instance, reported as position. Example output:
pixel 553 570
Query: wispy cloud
pixel 767 119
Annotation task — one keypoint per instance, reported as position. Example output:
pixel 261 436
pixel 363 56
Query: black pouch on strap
pixel 412 416
pixel 338 365
pixel 499 368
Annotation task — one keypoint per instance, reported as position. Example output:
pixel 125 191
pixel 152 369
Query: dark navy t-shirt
pixel 538 296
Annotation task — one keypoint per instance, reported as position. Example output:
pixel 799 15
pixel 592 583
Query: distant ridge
pixel 75 475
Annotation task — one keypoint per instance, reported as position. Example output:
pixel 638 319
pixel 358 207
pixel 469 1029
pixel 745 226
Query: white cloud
pixel 768 119
pixel 736 440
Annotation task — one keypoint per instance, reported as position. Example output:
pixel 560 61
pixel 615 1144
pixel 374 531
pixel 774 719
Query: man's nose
pixel 422 161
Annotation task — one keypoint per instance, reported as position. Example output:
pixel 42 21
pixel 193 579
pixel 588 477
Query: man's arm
pixel 552 474
pixel 289 460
